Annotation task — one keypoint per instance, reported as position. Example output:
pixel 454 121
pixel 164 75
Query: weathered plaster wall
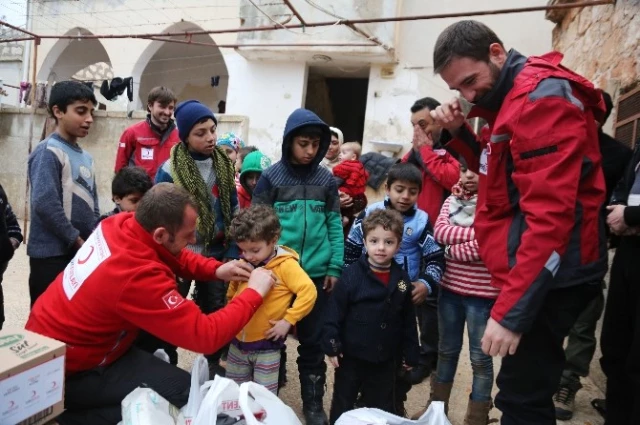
pixel 10 64
pixel 101 143
pixel 602 43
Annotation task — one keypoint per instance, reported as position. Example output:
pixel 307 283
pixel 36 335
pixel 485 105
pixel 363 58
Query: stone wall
pixel 601 42
pixel 102 143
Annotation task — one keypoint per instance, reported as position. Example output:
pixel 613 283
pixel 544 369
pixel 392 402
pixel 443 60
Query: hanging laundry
pixel 117 86
pixel 25 91
pixel 41 95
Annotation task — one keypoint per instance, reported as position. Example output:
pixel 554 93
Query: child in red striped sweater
pixel 466 295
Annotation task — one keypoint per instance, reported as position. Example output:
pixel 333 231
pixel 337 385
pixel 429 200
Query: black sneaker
pixel 564 400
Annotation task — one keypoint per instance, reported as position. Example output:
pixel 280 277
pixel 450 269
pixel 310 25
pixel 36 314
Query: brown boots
pixel 439 392
pixel 478 413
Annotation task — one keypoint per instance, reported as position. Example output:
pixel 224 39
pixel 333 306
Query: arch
pixel 68 56
pixel 187 69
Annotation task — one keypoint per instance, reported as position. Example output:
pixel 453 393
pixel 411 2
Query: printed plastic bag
pixel 275 411
pixel 433 416
pixel 143 406
pixel 199 375
pixel 222 399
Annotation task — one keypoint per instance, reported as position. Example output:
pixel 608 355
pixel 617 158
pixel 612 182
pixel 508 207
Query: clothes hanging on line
pixel 41 95
pixel 112 90
pixel 25 91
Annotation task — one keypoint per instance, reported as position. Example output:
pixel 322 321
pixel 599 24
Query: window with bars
pixel 627 126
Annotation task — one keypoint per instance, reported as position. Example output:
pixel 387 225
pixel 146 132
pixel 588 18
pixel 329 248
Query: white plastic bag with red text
pixel 199 375
pixel 433 416
pixel 274 412
pixel 221 398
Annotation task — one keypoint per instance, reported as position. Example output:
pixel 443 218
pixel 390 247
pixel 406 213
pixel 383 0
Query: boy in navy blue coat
pixel 371 320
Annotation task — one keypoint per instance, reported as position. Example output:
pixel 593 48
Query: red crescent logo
pixel 81 261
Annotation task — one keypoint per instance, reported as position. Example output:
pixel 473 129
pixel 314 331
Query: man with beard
pixel 148 143
pixel 538 221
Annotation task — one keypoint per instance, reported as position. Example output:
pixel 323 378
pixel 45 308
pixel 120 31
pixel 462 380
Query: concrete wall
pixel 602 43
pixel 11 64
pixel 101 143
pixel 389 98
pixel 267 84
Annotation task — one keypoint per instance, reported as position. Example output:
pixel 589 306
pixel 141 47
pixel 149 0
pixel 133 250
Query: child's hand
pixel 419 293
pixel 280 330
pixel 334 360
pixel 329 283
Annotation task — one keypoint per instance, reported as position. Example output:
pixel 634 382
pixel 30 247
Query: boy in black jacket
pixel 371 320
pixel 10 240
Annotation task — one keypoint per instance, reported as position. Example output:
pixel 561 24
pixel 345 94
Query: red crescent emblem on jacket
pixel 82 261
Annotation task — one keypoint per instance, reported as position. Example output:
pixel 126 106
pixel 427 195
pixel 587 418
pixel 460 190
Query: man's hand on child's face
pixel 334 360
pixel 419 293
pixel 234 270
pixel 280 329
pixel 329 283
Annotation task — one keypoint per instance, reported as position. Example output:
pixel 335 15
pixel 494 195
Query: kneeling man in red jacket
pixel 123 280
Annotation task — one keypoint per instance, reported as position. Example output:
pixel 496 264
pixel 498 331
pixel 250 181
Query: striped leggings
pixel 261 367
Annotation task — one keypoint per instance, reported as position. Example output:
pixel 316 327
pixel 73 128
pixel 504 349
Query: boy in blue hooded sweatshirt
pixel 305 198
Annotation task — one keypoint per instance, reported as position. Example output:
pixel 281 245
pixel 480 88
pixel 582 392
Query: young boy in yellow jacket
pixel 254 354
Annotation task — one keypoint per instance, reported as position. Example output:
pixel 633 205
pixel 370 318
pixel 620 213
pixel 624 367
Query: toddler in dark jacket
pixel 371 320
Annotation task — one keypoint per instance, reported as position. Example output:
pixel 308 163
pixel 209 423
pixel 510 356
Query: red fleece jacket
pixel 121 281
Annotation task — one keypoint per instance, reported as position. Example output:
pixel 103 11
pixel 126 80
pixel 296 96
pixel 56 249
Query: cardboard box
pixel 31 377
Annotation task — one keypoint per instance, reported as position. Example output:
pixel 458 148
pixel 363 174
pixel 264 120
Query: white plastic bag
pixel 199 375
pixel 221 398
pixel 143 406
pixel 277 413
pixel 433 416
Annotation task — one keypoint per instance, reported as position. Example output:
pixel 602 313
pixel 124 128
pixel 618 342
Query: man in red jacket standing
pixel 123 280
pixel 148 143
pixel 440 171
pixel 538 220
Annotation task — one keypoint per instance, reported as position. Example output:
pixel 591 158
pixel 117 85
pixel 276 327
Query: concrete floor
pixel 16 295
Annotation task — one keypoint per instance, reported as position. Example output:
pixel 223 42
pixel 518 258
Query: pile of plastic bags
pixel 217 402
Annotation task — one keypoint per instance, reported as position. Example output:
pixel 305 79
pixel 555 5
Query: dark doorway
pixel 339 98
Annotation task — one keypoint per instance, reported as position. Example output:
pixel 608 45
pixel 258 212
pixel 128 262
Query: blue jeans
pixel 453 311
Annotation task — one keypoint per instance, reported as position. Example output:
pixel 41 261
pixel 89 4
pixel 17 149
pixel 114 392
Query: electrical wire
pixel 290 30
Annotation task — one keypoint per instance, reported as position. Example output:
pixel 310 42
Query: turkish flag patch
pixel 173 299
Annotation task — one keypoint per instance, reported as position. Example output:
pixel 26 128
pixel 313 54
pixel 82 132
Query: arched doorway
pixel 191 71
pixel 67 57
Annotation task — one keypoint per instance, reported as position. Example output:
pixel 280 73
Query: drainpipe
pixel 26 52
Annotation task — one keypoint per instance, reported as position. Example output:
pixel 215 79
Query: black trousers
pixel 3 268
pixel 374 380
pixel 94 397
pixel 528 379
pixel 210 297
pixel 620 341
pixel 310 355
pixel 43 272
pixel 427 314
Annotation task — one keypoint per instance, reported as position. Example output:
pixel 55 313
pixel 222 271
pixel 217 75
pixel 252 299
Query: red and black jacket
pixel 538 220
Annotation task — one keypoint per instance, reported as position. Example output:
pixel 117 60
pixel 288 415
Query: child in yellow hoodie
pixel 254 354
